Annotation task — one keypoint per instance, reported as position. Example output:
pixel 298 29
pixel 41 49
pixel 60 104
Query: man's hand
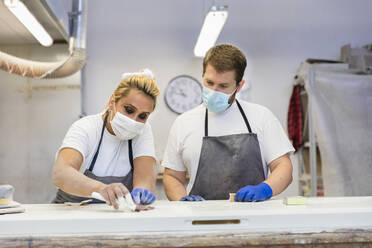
pixel 192 198
pixel 255 193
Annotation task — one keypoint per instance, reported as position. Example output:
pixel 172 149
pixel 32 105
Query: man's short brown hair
pixel 226 57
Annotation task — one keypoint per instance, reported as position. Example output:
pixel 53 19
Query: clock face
pixel 183 93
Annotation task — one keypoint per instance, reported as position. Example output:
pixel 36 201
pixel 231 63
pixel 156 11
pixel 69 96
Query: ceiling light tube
pixel 212 26
pixel 29 21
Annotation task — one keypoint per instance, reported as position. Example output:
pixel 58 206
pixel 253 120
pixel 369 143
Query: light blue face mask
pixel 216 101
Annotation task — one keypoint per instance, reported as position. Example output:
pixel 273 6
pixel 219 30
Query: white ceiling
pixel 12 32
pixel 188 15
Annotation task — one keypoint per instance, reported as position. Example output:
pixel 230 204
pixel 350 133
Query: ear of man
pixel 238 88
pixel 240 85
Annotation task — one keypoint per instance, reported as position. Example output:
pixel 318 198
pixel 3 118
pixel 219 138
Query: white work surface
pixel 319 214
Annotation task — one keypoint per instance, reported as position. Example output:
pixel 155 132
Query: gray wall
pixel 125 36
pixel 33 125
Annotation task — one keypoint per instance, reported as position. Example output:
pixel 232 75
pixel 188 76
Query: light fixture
pixel 211 29
pixel 29 21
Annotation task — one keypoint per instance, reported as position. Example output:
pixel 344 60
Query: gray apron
pixel 127 180
pixel 228 163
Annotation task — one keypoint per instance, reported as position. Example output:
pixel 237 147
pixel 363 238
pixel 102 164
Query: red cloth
pixel 295 118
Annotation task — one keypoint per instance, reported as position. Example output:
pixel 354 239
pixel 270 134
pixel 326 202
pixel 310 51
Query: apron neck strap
pixel 241 112
pixel 130 150
pixel 99 144
pixel 206 123
pixel 244 117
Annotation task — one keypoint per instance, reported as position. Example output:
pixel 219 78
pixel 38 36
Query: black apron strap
pixel 206 123
pixel 241 111
pixel 130 151
pixel 99 144
pixel 244 116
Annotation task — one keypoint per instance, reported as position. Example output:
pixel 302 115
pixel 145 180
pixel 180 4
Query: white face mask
pixel 125 128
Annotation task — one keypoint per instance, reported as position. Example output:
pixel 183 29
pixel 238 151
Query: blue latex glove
pixel 142 196
pixel 255 193
pixel 192 198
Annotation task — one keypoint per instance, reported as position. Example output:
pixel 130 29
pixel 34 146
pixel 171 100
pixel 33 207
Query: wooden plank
pixel 339 238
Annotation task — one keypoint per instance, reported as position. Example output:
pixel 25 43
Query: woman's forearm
pixel 73 182
pixel 67 177
pixel 143 175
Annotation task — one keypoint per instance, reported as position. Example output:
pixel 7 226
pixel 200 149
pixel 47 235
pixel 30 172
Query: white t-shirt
pixel 185 138
pixel 113 157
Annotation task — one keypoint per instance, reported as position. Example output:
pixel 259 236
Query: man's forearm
pixel 174 189
pixel 281 176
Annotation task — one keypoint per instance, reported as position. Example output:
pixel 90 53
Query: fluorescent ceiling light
pixel 29 21
pixel 213 24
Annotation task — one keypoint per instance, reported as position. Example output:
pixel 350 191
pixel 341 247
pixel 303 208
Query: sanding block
pixel 7 205
pixel 6 194
pixel 295 200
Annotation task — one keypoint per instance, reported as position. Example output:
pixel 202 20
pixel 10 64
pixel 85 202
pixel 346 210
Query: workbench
pixel 322 222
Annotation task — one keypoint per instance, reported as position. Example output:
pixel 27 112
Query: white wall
pixel 32 126
pixel 125 36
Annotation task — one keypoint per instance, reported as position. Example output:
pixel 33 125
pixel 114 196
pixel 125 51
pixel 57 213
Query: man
pixel 225 144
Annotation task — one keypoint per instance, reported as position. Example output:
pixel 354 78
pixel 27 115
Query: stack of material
pixel 358 57
pixel 7 205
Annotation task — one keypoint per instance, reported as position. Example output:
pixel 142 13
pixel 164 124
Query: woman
pixel 115 149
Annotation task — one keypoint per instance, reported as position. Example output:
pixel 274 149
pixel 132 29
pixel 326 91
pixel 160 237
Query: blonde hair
pixel 143 83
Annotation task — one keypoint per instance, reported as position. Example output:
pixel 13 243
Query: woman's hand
pixel 142 196
pixel 111 192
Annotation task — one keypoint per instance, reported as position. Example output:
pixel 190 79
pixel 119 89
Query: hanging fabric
pixel 295 118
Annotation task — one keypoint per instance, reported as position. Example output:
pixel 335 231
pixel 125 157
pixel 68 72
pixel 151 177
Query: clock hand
pixel 180 92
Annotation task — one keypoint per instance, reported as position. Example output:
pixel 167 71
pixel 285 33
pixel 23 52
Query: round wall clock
pixel 183 93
